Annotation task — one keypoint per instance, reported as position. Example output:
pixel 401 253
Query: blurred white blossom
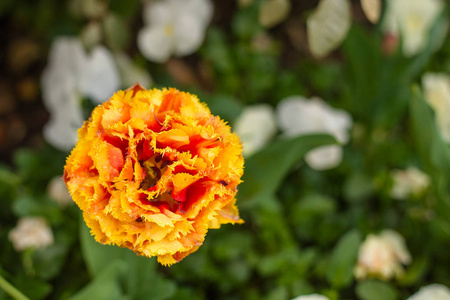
pixel 408 182
pixel 372 9
pixel 325 157
pixel 382 256
pixel 70 74
pixel 59 92
pixel 297 116
pixel 311 297
pixel 255 126
pixel 99 78
pixel 173 27
pixel 273 12
pixel 432 292
pixel 412 19
pixel 31 232
pixel 437 94
pixel 328 25
pixel 57 190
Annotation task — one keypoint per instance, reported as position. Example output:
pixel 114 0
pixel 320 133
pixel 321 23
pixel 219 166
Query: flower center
pixel 154 167
pixel 168 29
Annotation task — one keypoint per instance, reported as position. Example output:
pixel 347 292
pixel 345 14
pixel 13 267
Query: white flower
pixel 59 92
pixel 255 126
pixel 299 116
pixel 432 292
pixel 382 256
pixel 408 182
pixel 437 94
pixel 372 9
pixel 311 297
pixel 273 12
pixel 324 158
pixel 413 19
pixel 328 25
pixel 69 75
pixel 99 77
pixel 173 27
pixel 31 232
pixel 57 190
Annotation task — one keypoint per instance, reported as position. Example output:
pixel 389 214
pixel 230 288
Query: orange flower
pixel 153 170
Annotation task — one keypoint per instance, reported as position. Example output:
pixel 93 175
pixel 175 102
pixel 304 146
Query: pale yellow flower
pixel 437 93
pixel 409 182
pixel 31 233
pixel 382 256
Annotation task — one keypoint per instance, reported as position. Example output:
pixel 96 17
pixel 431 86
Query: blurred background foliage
pixel 303 227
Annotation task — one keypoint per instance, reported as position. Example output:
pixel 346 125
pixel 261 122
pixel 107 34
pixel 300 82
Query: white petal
pixel 255 126
pixel 91 35
pixel 311 297
pixel 31 232
pixel 408 182
pixel 67 53
pixel 201 10
pixel 65 63
pixel 155 44
pixel 324 158
pixel 65 119
pixel 372 9
pixel 158 12
pixel 57 190
pixel 273 12
pixel 294 116
pixel 432 292
pixel 189 33
pixel 437 94
pixel 413 18
pixel 398 245
pixel 328 25
pixel 131 73
pixel 100 77
pixel 376 258
pixel 297 116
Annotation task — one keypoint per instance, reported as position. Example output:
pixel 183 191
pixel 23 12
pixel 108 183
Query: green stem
pixel 11 290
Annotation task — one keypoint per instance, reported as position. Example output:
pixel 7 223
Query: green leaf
pixel 140 273
pixel 143 280
pixel 106 285
pixel 265 170
pixel 279 293
pixel 375 290
pixel 225 106
pixel 117 33
pixel 48 262
pixel 36 168
pixel 313 205
pixel 435 37
pixel 415 271
pixel 434 151
pixel 358 187
pixel 32 287
pixel 343 259
pixel 26 205
pixel 217 51
pixel 245 23
pixel 125 8
pixel 7 177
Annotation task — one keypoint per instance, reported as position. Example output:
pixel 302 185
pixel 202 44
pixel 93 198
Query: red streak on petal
pixel 179 196
pixel 136 88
